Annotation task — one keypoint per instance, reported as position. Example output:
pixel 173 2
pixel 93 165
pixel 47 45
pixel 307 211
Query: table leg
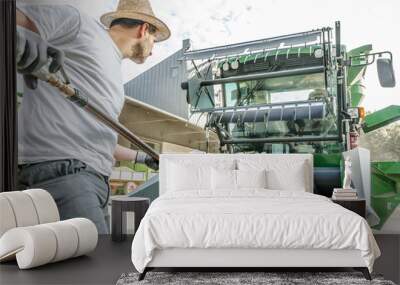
pixel 140 211
pixel 117 221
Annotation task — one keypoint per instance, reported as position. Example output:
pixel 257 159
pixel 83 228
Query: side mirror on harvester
pixel 385 72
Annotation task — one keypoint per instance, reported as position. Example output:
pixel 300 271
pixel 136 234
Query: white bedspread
pixel 250 219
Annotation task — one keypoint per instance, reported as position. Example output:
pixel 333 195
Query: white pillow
pixel 251 178
pixel 224 179
pixel 188 177
pixel 291 178
pixel 283 173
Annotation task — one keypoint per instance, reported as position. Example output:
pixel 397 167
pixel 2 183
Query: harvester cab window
pixel 290 96
pixel 231 94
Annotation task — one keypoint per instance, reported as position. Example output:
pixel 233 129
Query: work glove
pixel 33 53
pixel 146 159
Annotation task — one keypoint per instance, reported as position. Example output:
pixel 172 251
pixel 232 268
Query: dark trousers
pixel 78 189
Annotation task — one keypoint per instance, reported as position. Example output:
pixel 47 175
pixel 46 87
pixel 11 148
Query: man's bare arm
pixel 124 153
pixel 24 21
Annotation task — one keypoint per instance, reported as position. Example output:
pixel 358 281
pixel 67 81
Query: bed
pixel 247 210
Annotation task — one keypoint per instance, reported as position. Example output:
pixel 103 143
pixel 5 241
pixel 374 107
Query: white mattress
pixel 253 219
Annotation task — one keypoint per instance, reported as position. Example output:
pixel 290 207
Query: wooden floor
pixel 110 260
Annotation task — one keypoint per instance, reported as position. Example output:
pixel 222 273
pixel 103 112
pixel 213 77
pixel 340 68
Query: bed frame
pixel 242 259
pixel 261 259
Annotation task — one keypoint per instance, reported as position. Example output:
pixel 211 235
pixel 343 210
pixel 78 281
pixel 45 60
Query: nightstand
pixel 122 204
pixel 357 205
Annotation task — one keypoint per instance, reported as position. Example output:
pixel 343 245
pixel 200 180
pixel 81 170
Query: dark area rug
pixel 233 278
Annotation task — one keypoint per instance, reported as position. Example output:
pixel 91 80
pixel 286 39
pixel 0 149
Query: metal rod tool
pixel 74 95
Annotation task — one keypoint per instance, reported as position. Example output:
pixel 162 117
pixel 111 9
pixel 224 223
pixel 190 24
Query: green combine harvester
pixel 298 93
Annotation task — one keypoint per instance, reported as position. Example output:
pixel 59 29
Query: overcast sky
pixel 217 22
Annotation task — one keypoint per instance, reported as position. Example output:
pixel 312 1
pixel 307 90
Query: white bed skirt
pixel 192 257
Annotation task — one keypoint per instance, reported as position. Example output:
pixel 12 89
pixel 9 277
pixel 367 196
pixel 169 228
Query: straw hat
pixel 138 10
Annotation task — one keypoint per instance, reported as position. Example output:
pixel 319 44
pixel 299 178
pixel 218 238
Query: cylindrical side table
pixel 122 204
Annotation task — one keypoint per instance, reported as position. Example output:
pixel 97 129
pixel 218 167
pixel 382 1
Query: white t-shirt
pixel 50 126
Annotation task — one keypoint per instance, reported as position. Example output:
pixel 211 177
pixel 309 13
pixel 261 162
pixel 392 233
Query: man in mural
pixel 62 148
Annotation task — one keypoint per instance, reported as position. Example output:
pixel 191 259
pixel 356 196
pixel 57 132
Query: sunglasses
pixel 133 22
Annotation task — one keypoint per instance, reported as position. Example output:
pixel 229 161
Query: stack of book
pixel 344 194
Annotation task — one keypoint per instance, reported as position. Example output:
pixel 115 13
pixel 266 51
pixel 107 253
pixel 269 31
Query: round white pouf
pixel 46 208
pixel 23 208
pixel 67 240
pixel 31 232
pixel 87 234
pixel 7 218
pixel 37 245
pixel 33 246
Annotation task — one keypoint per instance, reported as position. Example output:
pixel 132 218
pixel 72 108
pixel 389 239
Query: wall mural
pixel 382 143
pixel 385 176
